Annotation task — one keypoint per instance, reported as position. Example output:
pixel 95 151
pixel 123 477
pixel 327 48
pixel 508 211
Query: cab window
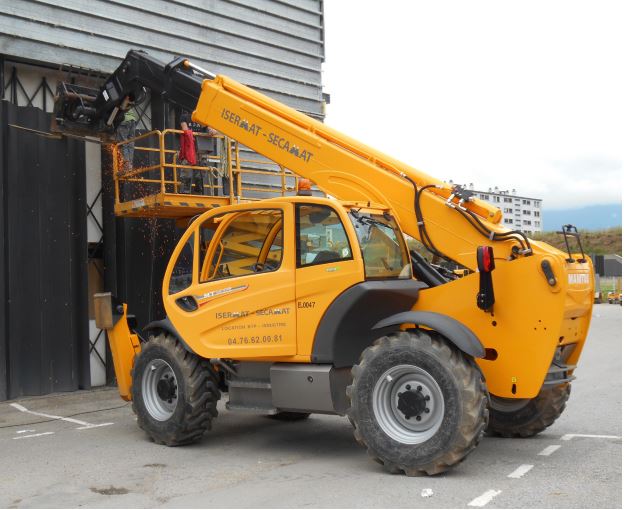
pixel 251 242
pixel 182 274
pixel 321 237
pixel 382 245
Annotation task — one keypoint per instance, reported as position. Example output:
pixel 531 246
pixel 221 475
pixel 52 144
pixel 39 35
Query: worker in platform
pixel 125 131
pixel 203 181
pixel 191 180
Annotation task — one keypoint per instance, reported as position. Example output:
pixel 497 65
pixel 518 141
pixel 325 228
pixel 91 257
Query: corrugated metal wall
pixel 275 46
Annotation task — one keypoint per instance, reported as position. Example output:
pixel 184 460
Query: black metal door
pixel 44 336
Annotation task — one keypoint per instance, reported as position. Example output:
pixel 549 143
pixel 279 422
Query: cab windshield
pixel 382 245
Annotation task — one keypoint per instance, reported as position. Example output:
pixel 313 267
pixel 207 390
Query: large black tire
pixel 526 418
pixel 289 416
pixel 174 392
pixel 421 430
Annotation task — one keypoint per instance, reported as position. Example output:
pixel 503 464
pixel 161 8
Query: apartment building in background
pixel 519 212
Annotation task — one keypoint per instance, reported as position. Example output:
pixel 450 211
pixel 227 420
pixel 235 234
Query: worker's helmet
pixel 304 187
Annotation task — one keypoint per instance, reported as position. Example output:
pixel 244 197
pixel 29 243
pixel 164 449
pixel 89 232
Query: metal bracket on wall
pixel 15 87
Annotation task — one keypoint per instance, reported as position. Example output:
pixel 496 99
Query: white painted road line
pixel 85 425
pixel 521 471
pixel 485 498
pixel 567 437
pixel 34 435
pixel 549 450
pixel 92 426
pixel 24 431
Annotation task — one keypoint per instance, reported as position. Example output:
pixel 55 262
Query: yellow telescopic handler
pixel 298 304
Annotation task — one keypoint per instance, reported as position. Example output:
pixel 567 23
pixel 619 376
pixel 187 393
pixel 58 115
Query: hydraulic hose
pixel 422 229
pixel 471 217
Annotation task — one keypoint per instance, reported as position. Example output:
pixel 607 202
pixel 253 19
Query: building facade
pixel 274 46
pixel 519 212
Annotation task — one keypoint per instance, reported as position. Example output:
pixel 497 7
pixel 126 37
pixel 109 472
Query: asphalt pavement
pixel 85 449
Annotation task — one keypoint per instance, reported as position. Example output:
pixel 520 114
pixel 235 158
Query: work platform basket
pixel 151 181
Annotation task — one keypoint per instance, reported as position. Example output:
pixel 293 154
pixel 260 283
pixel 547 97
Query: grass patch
pixel 600 242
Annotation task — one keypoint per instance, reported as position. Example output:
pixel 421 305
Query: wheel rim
pixel 408 404
pixel 160 390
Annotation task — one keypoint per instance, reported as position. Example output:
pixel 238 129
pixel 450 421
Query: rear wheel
pixel 174 392
pixel 528 417
pixel 417 403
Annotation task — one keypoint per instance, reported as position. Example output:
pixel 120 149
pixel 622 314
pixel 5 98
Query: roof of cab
pixel 333 201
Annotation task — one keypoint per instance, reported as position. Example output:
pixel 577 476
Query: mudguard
pixel 456 332
pixel 167 326
pixel 346 328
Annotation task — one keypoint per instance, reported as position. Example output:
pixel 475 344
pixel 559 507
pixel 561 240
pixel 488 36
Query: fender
pixel 167 326
pixel 346 328
pixel 456 332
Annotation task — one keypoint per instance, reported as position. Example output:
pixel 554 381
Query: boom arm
pixel 443 217
pixel 446 219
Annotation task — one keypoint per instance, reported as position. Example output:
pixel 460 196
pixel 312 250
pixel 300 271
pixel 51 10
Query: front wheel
pixel 528 417
pixel 418 404
pixel 174 392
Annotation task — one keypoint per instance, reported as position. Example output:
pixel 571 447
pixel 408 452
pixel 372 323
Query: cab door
pixel 328 262
pixel 240 302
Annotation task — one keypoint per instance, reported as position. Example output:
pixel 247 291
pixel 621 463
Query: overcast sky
pixel 526 95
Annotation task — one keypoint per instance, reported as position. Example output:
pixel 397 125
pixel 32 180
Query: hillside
pixel 601 242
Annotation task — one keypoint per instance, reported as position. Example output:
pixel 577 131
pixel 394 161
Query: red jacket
pixel 187 147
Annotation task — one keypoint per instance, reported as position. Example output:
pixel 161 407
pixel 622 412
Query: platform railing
pixel 148 166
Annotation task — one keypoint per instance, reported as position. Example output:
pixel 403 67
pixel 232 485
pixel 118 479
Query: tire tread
pixel 474 394
pixel 550 402
pixel 201 401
